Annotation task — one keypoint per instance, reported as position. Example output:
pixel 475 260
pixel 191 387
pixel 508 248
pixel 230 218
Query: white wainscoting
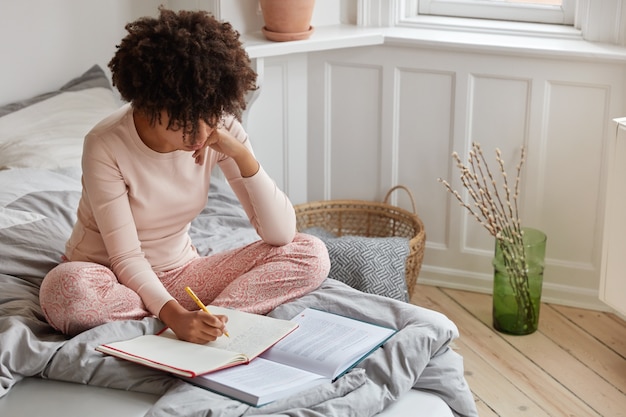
pixel 385 115
pixel 277 122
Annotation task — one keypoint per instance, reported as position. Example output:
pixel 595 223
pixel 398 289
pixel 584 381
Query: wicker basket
pixel 370 219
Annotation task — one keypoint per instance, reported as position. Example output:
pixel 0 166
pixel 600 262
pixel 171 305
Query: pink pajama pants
pixel 76 296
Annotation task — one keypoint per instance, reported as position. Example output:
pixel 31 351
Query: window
pixel 537 11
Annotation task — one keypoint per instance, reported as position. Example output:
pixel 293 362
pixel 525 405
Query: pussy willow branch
pixel 517 183
pixel 512 208
pixel 499 208
pixel 500 217
pixel 476 215
pixel 472 183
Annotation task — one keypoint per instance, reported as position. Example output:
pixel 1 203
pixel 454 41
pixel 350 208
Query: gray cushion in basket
pixel 374 265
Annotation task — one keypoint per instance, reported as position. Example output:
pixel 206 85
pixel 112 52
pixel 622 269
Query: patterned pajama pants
pixel 76 296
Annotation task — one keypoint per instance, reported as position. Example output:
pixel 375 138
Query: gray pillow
pixel 47 131
pixel 94 77
pixel 374 265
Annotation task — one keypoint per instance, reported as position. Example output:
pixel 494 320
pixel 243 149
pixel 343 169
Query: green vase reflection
pixel 517 283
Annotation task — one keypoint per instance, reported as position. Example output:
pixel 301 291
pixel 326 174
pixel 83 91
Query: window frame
pixel 594 21
pixel 491 10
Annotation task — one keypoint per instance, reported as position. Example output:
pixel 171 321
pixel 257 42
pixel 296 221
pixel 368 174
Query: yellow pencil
pixel 200 304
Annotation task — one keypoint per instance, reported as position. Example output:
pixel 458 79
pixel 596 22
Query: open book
pixel 321 349
pixel 250 335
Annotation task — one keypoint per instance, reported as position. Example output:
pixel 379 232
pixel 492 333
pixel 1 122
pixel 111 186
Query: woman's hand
pixel 200 154
pixel 192 326
pixel 215 141
pixel 222 141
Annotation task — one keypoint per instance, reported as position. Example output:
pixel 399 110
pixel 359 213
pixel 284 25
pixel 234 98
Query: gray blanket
pixel 37 210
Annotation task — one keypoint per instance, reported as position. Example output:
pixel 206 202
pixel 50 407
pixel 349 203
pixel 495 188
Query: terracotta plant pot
pixel 287 20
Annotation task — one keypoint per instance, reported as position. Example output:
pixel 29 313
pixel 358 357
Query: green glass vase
pixel 518 281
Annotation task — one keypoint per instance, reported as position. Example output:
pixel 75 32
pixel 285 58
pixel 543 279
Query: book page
pixel 327 343
pixel 259 382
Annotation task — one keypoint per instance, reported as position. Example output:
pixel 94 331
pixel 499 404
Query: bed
pixel 44 373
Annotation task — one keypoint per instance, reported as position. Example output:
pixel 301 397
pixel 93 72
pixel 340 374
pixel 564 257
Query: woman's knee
pixel 316 253
pixel 66 291
pixel 74 281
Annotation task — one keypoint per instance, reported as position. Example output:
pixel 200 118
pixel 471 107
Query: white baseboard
pixel 552 293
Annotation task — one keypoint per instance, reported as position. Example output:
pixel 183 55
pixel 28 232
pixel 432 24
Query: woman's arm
pixel 267 207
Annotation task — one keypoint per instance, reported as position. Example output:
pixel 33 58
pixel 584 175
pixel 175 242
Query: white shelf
pixel 323 38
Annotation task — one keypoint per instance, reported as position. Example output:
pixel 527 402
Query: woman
pixel 146 174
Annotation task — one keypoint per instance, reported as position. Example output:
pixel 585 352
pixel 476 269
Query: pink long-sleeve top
pixel 137 205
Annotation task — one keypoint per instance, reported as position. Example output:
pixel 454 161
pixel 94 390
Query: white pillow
pixel 49 134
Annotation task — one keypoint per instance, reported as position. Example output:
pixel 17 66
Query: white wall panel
pixel 497 119
pixel 425 109
pixel 576 129
pixel 613 284
pixel 267 121
pixel 353 162
pixel 277 123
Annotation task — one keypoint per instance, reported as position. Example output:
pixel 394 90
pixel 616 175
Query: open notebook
pixel 250 335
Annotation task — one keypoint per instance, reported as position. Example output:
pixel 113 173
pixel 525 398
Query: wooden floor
pixel 574 365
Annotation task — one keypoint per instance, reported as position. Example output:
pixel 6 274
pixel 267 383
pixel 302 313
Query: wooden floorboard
pixel 572 366
pixel 484 410
pixel 588 350
pixel 606 327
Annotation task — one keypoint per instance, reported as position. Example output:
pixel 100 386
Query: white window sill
pixel 566 46
pixel 323 38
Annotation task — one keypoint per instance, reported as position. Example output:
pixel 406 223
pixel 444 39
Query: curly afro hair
pixel 185 63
